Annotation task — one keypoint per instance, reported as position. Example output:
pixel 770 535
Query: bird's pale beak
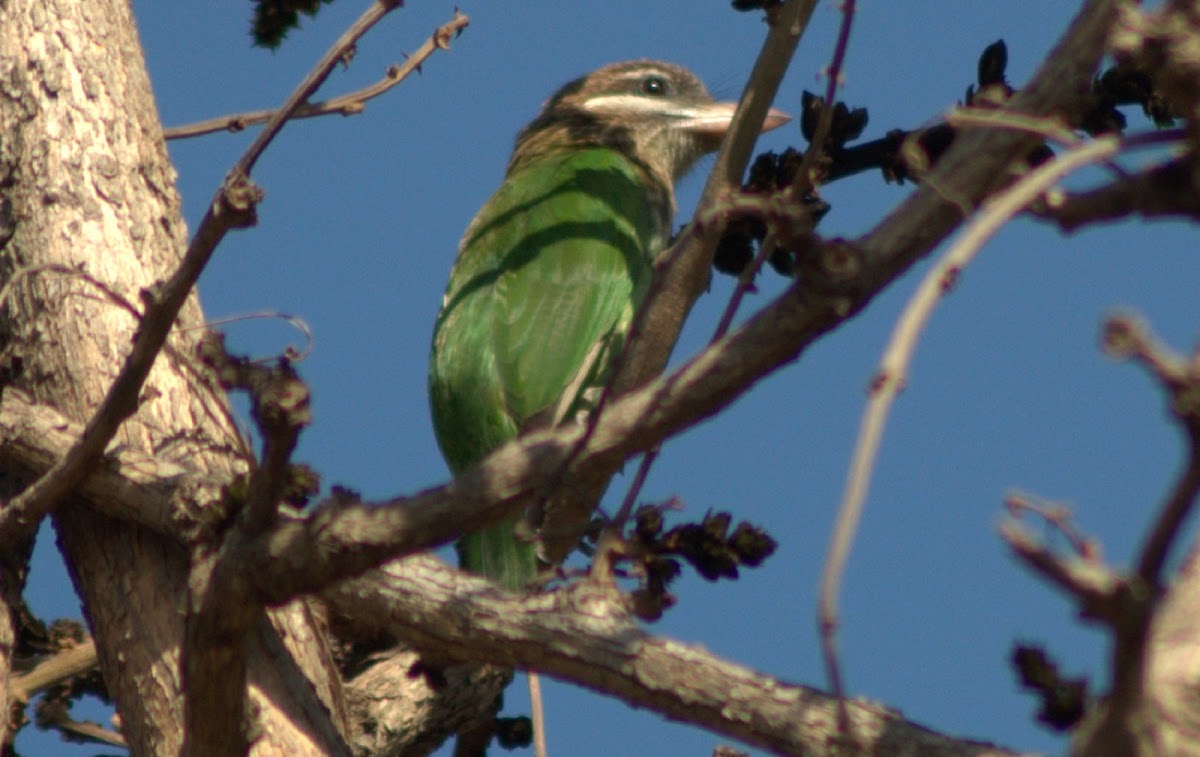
pixel 775 119
pixel 713 120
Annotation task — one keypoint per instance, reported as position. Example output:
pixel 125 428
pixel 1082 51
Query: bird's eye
pixel 655 86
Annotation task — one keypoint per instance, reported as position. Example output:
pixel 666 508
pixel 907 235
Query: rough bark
pixel 87 184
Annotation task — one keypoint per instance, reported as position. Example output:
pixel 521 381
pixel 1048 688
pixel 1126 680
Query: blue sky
pixel 360 224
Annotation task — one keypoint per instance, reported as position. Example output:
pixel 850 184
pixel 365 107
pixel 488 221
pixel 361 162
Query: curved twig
pixel 891 375
pixel 349 104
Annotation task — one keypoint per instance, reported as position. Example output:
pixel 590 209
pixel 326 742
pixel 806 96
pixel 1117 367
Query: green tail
pixel 499 554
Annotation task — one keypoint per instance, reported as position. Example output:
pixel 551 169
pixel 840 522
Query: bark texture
pixel 85 184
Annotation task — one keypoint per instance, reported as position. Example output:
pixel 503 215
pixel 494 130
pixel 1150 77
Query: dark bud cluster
pixel 1063 699
pixel 1121 85
pixel 991 90
pixel 845 125
pixel 514 733
pixel 902 155
pixel 750 5
pixel 994 89
pixel 769 173
pixel 708 546
pixel 715 552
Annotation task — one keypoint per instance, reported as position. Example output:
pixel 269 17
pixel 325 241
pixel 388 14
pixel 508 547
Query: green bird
pixel 551 269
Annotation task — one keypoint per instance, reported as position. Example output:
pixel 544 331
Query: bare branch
pixel 978 160
pixel 681 276
pixel 87 731
pixel 453 596
pixel 349 104
pixel 1089 582
pixel 1169 524
pixel 1162 191
pixel 582 635
pixel 55 669
pixel 1127 336
pixel 1145 671
pixel 892 374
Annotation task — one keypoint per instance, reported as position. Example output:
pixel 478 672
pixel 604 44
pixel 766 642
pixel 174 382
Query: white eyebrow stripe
pixel 642 73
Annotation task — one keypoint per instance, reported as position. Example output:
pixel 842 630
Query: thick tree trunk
pixel 85 183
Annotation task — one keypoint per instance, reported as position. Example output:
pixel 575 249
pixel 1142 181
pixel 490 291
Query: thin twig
pixel 311 83
pixel 745 281
pixel 109 293
pixel 539 713
pixel 88 731
pixel 1169 523
pixel 635 488
pixel 292 354
pixel 349 104
pixel 890 377
pixel 1092 584
pixel 1058 516
pixel 1052 129
pixel 802 182
pixel 1126 336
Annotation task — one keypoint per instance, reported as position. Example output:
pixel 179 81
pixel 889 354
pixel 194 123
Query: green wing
pixel 547 276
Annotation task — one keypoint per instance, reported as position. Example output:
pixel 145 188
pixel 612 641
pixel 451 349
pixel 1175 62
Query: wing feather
pixel 541 294
pixel 550 268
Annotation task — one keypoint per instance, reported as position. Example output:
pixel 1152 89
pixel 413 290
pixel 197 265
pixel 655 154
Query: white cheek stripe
pixel 716 117
pixel 627 104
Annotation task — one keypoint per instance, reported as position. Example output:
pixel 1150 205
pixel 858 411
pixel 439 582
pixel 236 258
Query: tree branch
pixel 1139 717
pixel 892 374
pixel 55 669
pixel 455 596
pixel 1166 190
pixel 349 104
pixel 581 634
pixel 681 275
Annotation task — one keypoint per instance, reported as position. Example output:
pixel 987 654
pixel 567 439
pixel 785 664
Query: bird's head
pixel 658 113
